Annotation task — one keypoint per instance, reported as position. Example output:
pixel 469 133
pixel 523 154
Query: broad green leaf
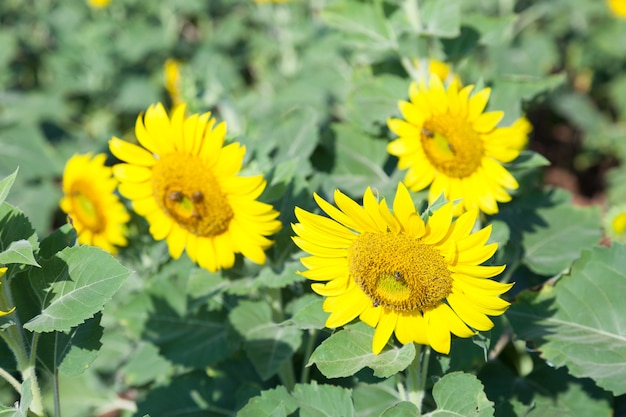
pixel 365 20
pixel 401 409
pixel 545 391
pixel 146 365
pixel 308 312
pixel 267 344
pixel 275 402
pixel 317 400
pixel 187 395
pixel 58 240
pixel 6 184
pixel 195 339
pixel 18 252
pixel 372 99
pixel 358 161
pixel 549 248
pixel 492 29
pixel 508 92
pixel 24 146
pixel 461 394
pixel 71 352
pixel 349 350
pixel 372 400
pixel 441 19
pixel 296 136
pixel 528 160
pixel 72 286
pixel 15 226
pixel 577 323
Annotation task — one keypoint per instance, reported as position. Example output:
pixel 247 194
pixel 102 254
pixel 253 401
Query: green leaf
pixel 58 240
pixel 323 400
pixel 347 351
pixel 461 394
pixel 508 92
pixel 267 344
pixel 195 339
pixel 358 161
pixel 71 352
pixel 441 19
pixel 528 160
pixel 577 323
pixel 72 286
pixel 6 184
pixel 492 29
pixel 275 402
pixel 545 391
pixel 18 252
pixel 549 249
pixel 401 409
pixel 24 146
pixel 308 312
pixel 365 20
pixel 372 99
pixel 15 226
pixel 374 399
pixel 146 365
pixel 296 136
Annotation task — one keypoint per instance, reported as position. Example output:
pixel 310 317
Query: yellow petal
pixel 384 329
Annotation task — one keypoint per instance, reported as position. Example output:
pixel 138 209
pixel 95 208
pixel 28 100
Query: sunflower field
pixel 340 208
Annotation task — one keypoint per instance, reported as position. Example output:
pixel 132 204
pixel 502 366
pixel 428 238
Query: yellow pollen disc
pixel 398 272
pixel 186 189
pixel 86 210
pixel 451 145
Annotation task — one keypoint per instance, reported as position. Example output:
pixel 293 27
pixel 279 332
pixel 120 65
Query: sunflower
pixel 618 7
pixel 448 142
pixel 98 4
pixel 615 223
pixel 421 281
pixel 91 204
pixel 4 313
pixel 172 80
pixel 440 69
pixel 184 181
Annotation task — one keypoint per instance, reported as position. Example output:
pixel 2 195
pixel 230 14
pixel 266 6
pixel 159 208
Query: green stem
pixel 56 394
pixel 15 340
pixel 286 373
pixel 9 378
pixel 416 376
pixel 414 392
pixel 308 350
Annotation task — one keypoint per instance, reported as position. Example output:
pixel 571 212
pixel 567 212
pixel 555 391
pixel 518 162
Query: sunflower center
pixel 86 208
pixel 186 189
pixel 398 272
pixel 451 145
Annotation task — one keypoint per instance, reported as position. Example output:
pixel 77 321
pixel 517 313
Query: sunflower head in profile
pixel 98 4
pixel 91 204
pixel 9 311
pixel 399 274
pixel 615 223
pixel 184 181
pixel 172 69
pixel 447 142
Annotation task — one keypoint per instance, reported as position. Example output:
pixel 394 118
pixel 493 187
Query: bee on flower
pixel 421 280
pixel 184 180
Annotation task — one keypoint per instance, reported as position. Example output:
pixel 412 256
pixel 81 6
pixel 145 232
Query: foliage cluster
pixel 307 87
